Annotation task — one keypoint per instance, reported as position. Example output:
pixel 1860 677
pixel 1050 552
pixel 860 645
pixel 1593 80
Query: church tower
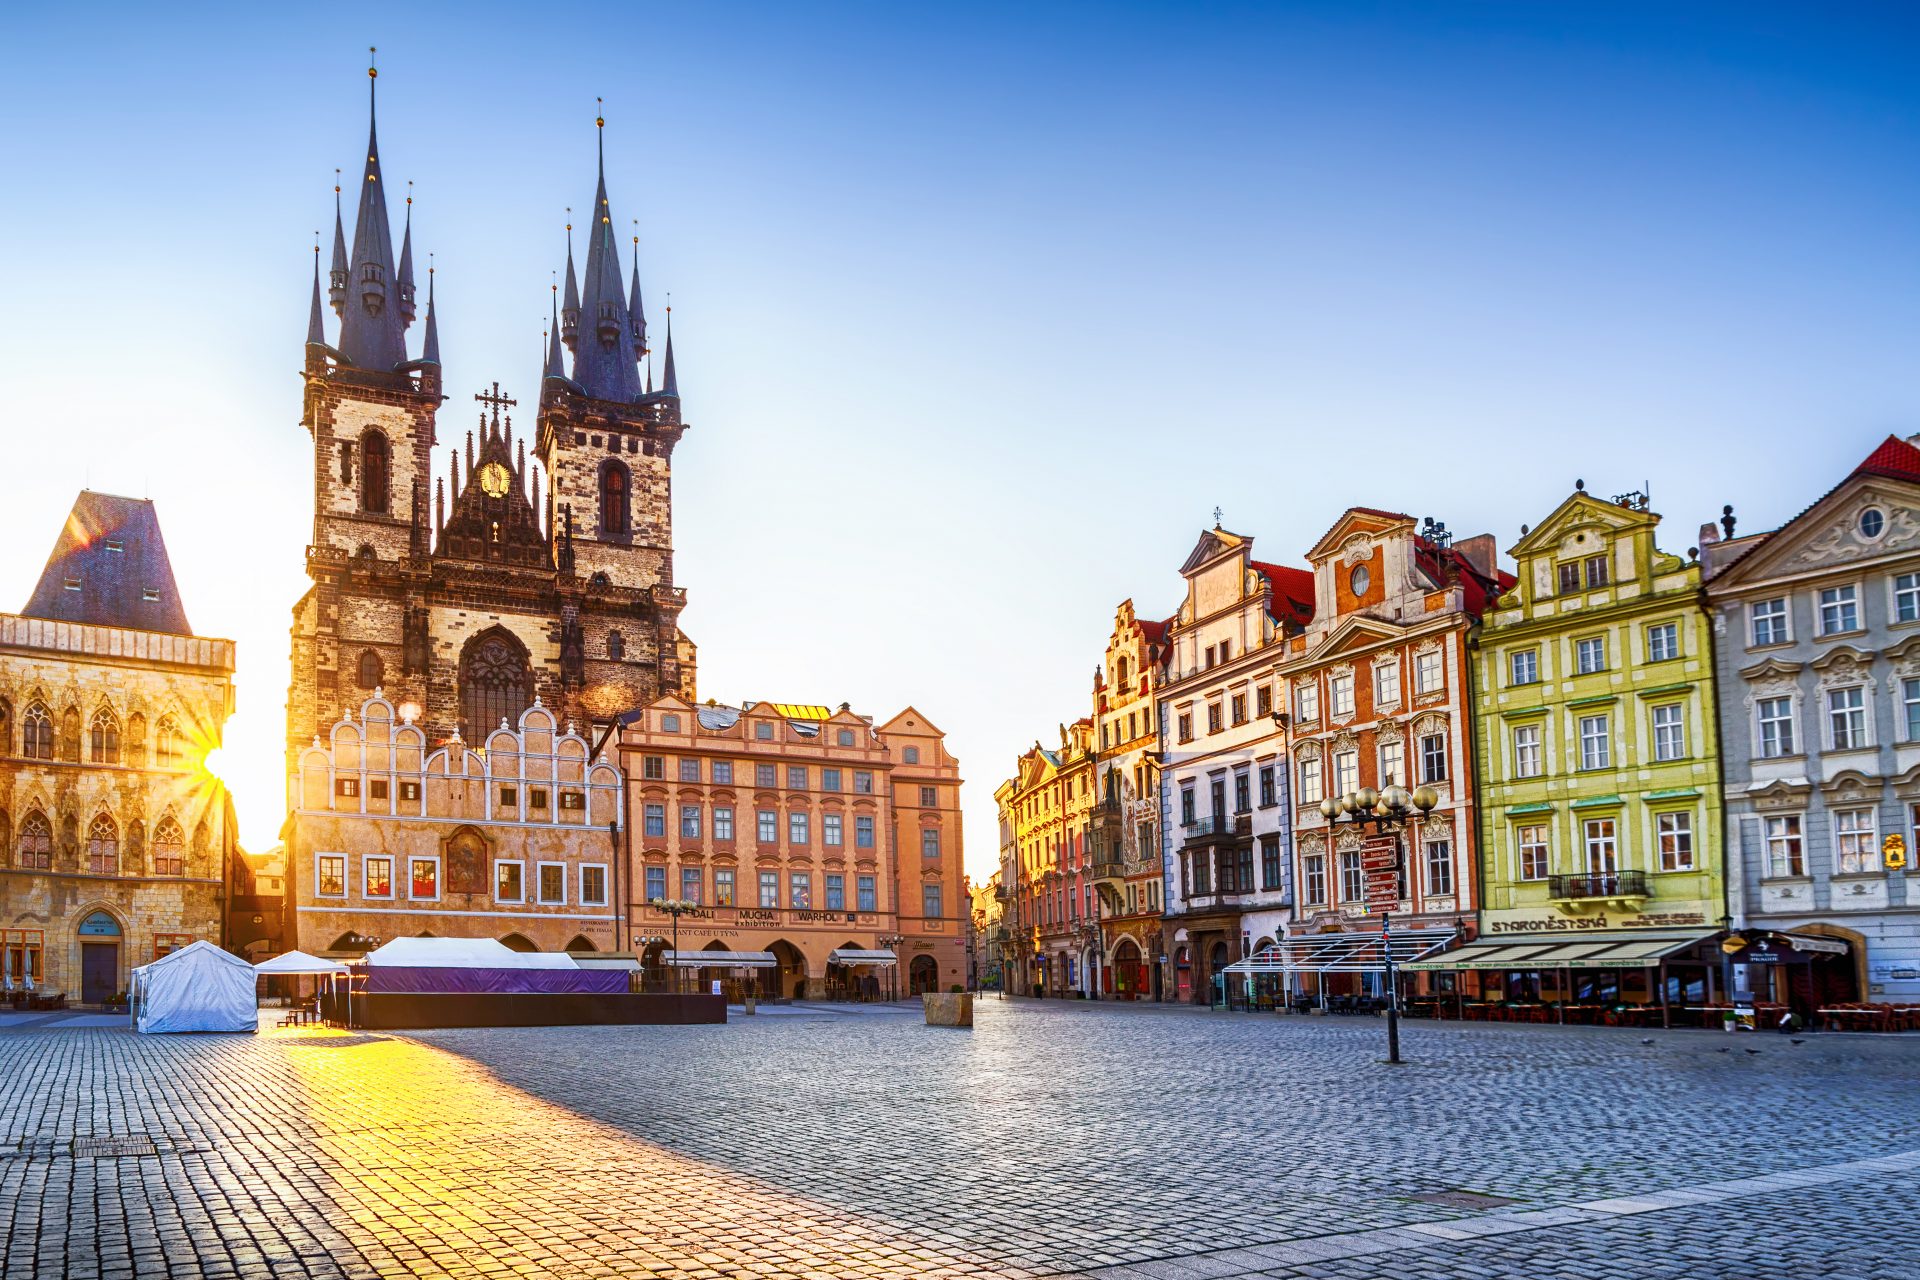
pixel 465 596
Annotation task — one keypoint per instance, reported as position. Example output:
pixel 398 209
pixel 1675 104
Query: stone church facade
pixel 462 595
pixel 115 843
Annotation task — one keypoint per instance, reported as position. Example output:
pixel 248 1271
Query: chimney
pixel 1480 552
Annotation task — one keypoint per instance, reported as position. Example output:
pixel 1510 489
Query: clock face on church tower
pixel 494 479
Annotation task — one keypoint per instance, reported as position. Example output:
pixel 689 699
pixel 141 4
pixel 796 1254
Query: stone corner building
pixel 115 841
pixel 1817 635
pixel 462 600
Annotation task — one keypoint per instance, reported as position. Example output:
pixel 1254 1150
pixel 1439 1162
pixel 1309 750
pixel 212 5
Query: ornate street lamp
pixel 891 942
pixel 1388 812
pixel 675 907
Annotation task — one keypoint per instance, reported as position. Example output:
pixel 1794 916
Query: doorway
pixel 99 971
pixel 923 975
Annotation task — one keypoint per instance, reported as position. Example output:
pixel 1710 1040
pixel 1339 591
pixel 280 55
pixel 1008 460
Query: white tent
pixel 464 953
pixel 298 962
pixel 197 988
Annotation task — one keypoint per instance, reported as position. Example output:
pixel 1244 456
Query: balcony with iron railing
pixel 1218 827
pixel 1610 886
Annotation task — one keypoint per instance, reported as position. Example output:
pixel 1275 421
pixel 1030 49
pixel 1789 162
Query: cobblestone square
pixel 1054 1139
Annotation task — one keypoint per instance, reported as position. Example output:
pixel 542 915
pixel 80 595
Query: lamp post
pixel 675 907
pixel 1388 812
pixel 891 942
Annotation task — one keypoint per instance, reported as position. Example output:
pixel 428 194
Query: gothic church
pixel 466 595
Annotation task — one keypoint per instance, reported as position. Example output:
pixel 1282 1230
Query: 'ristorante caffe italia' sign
pixel 1581 924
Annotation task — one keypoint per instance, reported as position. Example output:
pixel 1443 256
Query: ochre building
pixel 801 832
pixel 116 841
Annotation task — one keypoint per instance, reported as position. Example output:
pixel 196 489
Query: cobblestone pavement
pixel 1123 1141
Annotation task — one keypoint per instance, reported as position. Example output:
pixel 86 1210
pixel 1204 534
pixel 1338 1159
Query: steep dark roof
pixel 109 567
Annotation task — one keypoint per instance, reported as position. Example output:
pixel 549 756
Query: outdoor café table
pixel 1860 1019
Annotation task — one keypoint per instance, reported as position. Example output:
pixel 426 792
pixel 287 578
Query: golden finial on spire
pixel 409 193
pixel 373 72
pixel 599 113
pixel 336 182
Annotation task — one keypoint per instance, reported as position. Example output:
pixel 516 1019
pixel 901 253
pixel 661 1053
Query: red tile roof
pixel 1292 590
pixel 1895 459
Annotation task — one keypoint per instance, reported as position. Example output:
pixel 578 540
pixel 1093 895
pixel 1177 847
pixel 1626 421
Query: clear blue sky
pixel 981 309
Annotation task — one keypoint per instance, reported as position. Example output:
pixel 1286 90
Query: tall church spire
pixel 634 306
pixel 316 317
pixel 373 321
pixel 406 262
pixel 569 327
pixel 556 365
pixel 669 384
pixel 604 359
pixel 430 347
pixel 337 274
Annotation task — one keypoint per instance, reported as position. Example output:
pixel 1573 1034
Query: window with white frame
pixel 654 816
pixel 1839 610
pixel 1910 708
pixel 1847 718
pixel 1531 840
pixel 1523 666
pixel 1353 877
pixel 424 874
pixel 656 882
pixel 1386 681
pixel 1590 655
pixel 1428 675
pixel 1310 789
pixel 1603 849
pixel 1856 842
pixel 1768 619
pixel 723 886
pixel 690 822
pixel 593 885
pixel 800 890
pixel 723 822
pixel 1433 757
pixel 1775 719
pixel 1306 700
pixel 797 833
pixel 1314 873
pixel 1595 747
pixel 1663 641
pixel 1675 833
pixel 767 826
pixel 509 882
pixel 832 833
pixel 1346 772
pixel 1528 760
pixel 1906 597
pixel 1340 692
pixel 550 883
pixel 1393 763
pixel 770 888
pixel 1786 852
pixel 1669 732
pixel 330 875
pixel 376 876
pixel 1439 868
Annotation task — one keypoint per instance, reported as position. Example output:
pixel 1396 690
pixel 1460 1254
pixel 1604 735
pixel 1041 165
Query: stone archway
pixel 518 942
pixel 789 980
pixel 923 975
pixel 1129 969
pixel 1856 952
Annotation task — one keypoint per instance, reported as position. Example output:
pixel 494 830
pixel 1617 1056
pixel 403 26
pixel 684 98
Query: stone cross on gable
pixel 496 400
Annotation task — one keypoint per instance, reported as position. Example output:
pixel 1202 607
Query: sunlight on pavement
pixel 441 1168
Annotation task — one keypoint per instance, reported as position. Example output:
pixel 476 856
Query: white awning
pixel 853 955
pixel 1343 952
pixel 719 959
pixel 1617 949
pixel 299 962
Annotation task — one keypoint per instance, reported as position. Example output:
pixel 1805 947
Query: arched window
pixel 169 848
pixel 36 733
pixel 36 842
pixel 166 743
pixel 495 684
pixel 376 470
pixel 104 737
pixel 369 673
pixel 70 735
pixel 616 646
pixel 614 498
pixel 103 846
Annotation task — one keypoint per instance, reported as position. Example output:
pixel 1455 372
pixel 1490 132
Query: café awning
pixel 853 955
pixel 1616 950
pixel 1342 952
pixel 719 959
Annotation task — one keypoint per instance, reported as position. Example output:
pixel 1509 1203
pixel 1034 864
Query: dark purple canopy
pixel 386 979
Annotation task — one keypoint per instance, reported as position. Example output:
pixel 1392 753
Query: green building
pixel 1597 761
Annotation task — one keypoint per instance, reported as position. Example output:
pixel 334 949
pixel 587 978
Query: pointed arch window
pixel 615 498
pixel 166 743
pixel 169 848
pixel 616 646
pixel 103 846
pixel 495 684
pixel 368 675
pixel 103 737
pixel 36 733
pixel 36 842
pixel 376 473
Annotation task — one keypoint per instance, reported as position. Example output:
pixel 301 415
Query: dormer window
pixel 114 544
pixel 71 584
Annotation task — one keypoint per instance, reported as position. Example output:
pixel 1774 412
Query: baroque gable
pixel 1830 534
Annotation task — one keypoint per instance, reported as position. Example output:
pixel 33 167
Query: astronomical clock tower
pixel 453 571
